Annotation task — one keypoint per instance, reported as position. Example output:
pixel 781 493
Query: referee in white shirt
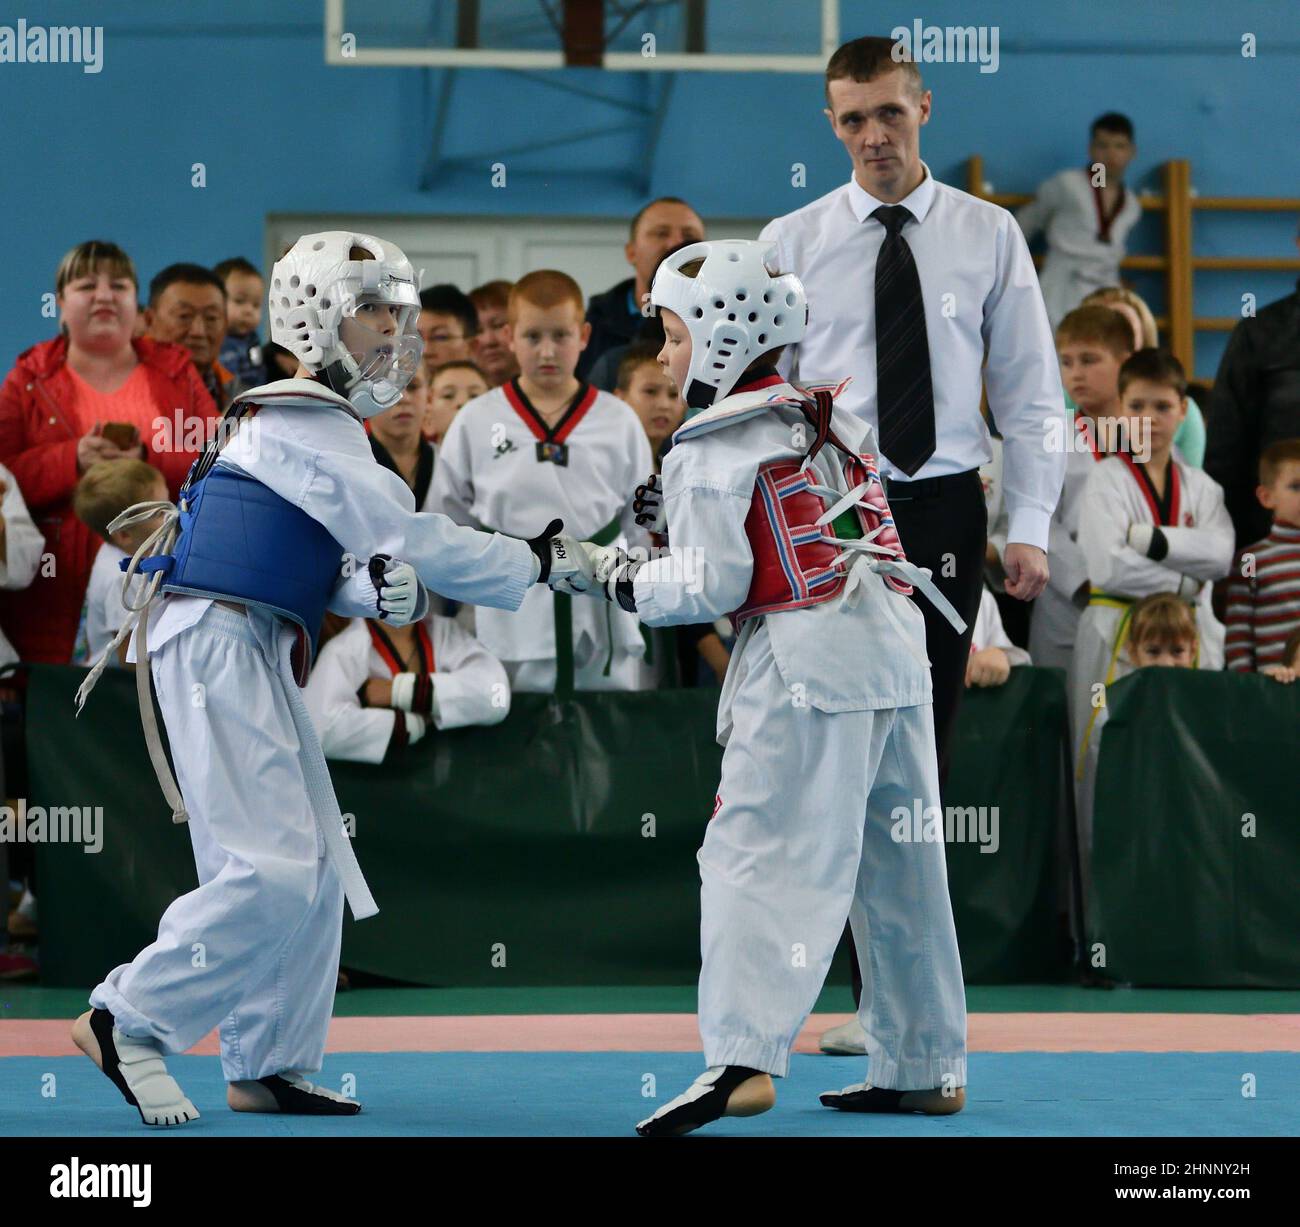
pixel 916 289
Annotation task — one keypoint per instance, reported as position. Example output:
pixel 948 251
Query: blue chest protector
pixel 240 541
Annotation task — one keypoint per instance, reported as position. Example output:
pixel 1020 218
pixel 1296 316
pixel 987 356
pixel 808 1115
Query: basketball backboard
pixel 618 35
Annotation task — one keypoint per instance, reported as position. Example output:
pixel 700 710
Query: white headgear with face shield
pixel 350 320
pixel 734 309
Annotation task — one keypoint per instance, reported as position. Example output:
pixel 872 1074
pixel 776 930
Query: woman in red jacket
pixel 54 407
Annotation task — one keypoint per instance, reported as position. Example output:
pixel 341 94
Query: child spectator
pixel 448 323
pixel 398 443
pixel 1149 524
pixel 992 654
pixel 1157 631
pixel 1161 632
pixel 378 688
pixel 645 385
pixel 108 489
pixel 241 352
pixel 1189 442
pixel 1087 214
pixel 699 654
pixel 455 384
pixel 1264 593
pixel 546 444
pixel 21 546
pixel 399 440
pixel 491 345
pixel 1289 669
pixel 1092 344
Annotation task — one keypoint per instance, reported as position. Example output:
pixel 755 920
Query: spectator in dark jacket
pixel 604 373
pixel 1256 401
pixel 616 316
pixel 92 393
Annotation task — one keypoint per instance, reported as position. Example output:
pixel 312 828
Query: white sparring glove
pixel 564 563
pixel 615 571
pixel 398 589
pixel 648 505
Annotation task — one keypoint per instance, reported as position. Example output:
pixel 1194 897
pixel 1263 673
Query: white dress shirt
pixel 981 297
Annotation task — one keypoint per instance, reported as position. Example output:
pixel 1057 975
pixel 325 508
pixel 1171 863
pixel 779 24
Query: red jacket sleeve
pixel 175 462
pixel 46 472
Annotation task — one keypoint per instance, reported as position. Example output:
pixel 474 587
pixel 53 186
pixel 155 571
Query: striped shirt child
pixel 1264 607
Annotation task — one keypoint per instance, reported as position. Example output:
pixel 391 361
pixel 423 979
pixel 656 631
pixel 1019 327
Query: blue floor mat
pixel 451 1094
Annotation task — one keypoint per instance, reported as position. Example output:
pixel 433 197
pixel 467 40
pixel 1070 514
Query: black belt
pixel 928 487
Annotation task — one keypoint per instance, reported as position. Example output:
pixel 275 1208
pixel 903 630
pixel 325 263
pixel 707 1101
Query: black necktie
pixel 904 394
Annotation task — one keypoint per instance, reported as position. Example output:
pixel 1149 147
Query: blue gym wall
pixel 241 86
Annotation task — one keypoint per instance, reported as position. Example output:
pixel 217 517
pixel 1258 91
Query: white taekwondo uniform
pixel 24 545
pixel 469 687
pixel 490 475
pixel 1200 536
pixel 1084 250
pixel 104 610
pixel 1054 622
pixel 826 721
pixel 990 633
pixel 255 947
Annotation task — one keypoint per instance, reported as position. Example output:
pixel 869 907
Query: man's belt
pixel 928 487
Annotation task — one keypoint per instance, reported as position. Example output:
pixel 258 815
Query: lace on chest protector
pixel 814 560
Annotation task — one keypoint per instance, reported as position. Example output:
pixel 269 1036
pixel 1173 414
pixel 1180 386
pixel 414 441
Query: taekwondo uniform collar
pixel 741 405
pixel 296 394
pixel 917 202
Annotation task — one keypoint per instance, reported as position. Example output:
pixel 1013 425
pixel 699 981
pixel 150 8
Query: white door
pixel 467 251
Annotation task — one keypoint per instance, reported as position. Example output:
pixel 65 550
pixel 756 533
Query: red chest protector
pixel 796 562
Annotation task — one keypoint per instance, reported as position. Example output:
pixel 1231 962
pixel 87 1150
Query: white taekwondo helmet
pixel 734 309
pixel 353 321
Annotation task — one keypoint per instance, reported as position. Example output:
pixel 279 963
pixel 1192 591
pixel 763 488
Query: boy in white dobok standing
pixel 775 514
pixel 286 513
pixel 546 440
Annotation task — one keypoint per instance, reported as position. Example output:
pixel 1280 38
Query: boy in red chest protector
pixel 775 514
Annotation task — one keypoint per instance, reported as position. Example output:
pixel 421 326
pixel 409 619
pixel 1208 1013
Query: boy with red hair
pixel 547 443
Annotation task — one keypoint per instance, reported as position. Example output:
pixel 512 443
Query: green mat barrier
pixel 1008 759
pixel 557 848
pixel 1196 832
